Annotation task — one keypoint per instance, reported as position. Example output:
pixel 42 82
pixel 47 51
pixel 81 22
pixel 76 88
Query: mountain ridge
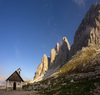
pixel 87 34
pixel 75 71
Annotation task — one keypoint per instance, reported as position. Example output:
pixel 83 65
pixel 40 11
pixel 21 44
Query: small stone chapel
pixel 14 82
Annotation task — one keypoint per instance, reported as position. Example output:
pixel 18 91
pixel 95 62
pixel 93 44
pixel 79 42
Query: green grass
pixel 81 87
pixel 26 86
pixel 76 63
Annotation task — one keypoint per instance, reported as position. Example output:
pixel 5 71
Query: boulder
pixel 30 88
pixel 63 84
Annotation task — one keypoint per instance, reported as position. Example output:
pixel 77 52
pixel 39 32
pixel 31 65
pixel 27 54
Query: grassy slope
pixel 75 65
pixel 79 87
pixel 78 61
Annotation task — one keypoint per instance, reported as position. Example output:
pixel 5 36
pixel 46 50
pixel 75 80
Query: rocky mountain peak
pixel 43 67
pixel 53 54
pixel 64 41
pixel 44 55
pixel 88 32
pixel 58 57
pixel 60 54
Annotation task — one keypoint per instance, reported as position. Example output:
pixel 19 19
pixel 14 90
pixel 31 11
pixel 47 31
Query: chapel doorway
pixel 14 86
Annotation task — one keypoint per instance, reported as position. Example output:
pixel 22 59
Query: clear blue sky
pixel 31 28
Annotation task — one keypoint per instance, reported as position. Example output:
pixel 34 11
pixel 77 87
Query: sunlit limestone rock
pixel 39 70
pixel 53 55
pixel 65 44
pixel 88 33
pixel 58 58
pixel 60 54
pixel 45 64
pixel 43 67
pixel 63 53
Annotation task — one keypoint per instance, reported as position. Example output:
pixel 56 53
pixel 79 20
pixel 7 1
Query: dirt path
pixel 3 92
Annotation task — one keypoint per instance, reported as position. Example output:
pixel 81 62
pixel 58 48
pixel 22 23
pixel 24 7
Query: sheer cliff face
pixel 62 56
pixel 88 32
pixel 45 64
pixel 53 55
pixel 43 67
pixel 59 55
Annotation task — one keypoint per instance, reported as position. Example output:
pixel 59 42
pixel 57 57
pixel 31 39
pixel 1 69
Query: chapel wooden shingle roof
pixel 15 77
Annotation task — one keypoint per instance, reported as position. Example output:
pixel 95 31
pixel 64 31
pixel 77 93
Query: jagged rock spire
pixel 64 41
pixel 43 67
pixel 53 54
